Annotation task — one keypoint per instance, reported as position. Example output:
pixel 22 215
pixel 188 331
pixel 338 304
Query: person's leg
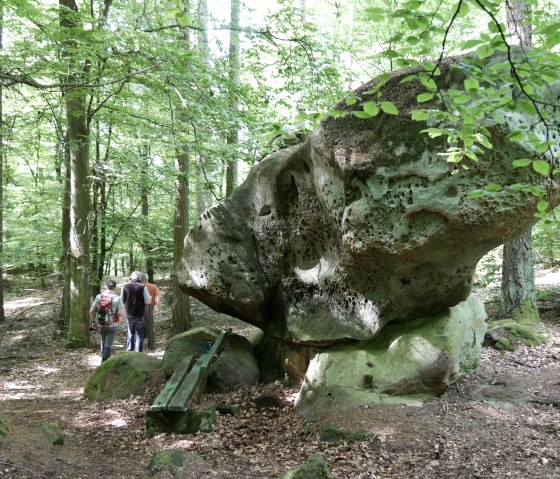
pixel 139 335
pixel 108 344
pixel 129 335
pixel 101 340
pixel 149 326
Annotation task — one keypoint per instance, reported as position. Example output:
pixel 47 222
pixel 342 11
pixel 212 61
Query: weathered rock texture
pixel 362 225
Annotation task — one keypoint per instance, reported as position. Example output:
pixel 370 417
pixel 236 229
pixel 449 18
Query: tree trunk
pixel 181 317
pixel 233 131
pixel 146 241
pixel 65 238
pixel 517 15
pixel 181 305
pixel 78 138
pixel 95 279
pixel 2 314
pixel 518 293
pixel 202 196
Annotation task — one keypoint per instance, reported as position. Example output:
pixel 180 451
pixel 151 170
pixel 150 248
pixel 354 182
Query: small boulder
pixel 179 463
pixel 124 375
pixel 52 432
pixel 236 365
pixel 228 409
pixel 314 468
pixel 268 401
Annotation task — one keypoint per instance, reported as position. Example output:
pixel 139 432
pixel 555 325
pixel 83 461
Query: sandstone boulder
pixel 361 225
pixel 356 249
pixel 236 364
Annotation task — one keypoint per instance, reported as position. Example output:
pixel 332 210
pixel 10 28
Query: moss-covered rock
pixel 176 462
pixel 52 432
pixel 4 431
pixel 330 432
pixel 123 375
pixel 422 356
pixel 236 364
pixel 522 328
pixel 314 468
pixel 180 422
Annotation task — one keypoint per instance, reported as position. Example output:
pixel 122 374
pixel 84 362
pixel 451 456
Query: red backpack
pixel 104 315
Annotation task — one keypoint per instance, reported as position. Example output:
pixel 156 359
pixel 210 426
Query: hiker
pixel 151 310
pixel 135 296
pixel 105 312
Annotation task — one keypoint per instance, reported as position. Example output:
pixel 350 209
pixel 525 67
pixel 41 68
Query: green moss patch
pixel 124 375
pixel 523 328
pixel 4 431
pixel 173 461
pixel 314 468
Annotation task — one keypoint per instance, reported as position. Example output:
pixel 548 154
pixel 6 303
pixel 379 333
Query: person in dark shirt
pixel 135 296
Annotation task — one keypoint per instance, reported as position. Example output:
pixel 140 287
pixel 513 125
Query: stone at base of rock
pixel 404 364
pixel 187 422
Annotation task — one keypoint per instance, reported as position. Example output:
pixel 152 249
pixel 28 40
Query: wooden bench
pixel 171 410
pixel 191 373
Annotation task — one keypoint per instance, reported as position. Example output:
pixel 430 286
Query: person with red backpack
pixel 105 313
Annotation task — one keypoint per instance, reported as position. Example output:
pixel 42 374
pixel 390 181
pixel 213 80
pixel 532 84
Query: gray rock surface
pixel 360 244
pixel 236 364
pixel 361 225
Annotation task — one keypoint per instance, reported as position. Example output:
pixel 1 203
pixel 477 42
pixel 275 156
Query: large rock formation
pixel 362 225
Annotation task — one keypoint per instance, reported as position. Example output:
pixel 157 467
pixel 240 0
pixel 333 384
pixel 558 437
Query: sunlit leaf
pixel 476 194
pixel 371 108
pixel 542 167
pixel 542 205
pixel 521 163
pixel 362 115
pixel 389 108
pixel 424 97
pixel 420 115
pixel 484 51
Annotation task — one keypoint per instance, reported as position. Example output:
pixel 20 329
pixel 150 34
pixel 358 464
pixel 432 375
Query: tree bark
pixel 517 15
pixel 78 140
pixel 202 195
pixel 64 262
pixel 145 241
pixel 181 304
pixel 518 292
pixel 518 277
pixel 233 132
pixel 2 314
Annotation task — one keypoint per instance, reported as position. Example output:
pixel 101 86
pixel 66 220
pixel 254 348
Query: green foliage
pixel 4 431
pixel 73 342
pixel 498 85
pixel 489 270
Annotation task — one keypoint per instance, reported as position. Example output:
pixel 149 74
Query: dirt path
pixel 502 422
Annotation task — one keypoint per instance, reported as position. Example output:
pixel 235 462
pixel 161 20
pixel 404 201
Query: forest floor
pixel 501 422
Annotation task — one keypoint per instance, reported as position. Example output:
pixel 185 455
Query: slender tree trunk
pixel 146 241
pixel 78 138
pixel 202 194
pixel 233 131
pixel 518 292
pixel 2 314
pixel 95 279
pixel 65 239
pixel 181 317
pixel 518 279
pixel 181 305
